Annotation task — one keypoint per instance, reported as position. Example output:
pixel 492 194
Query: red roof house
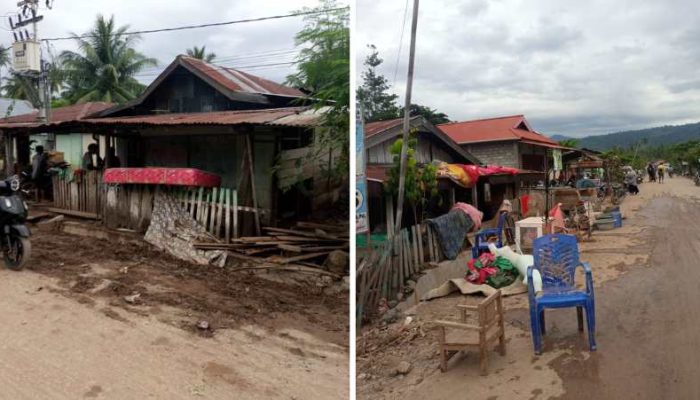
pixel 508 141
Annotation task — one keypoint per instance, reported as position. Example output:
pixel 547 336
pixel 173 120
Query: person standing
pixel 39 168
pixel 631 182
pixel 88 162
pixel 661 171
pixel 650 171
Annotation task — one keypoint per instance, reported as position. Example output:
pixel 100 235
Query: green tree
pixel 25 88
pixel 377 104
pixel 104 67
pixel 572 143
pixel 5 59
pixel 323 70
pixel 421 181
pixel 428 113
pixel 200 53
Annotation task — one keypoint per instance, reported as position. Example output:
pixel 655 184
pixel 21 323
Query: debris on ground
pixel 307 247
pixel 180 293
pixel 133 298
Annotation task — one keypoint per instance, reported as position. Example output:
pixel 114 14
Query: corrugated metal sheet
pixel 292 116
pixel 239 81
pixel 372 128
pixel 73 112
pixel 494 129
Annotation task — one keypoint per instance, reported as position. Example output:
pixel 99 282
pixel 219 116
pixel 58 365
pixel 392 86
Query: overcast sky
pixel 243 45
pixel 573 68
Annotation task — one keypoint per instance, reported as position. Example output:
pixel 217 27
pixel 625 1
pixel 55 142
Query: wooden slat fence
pixel 215 209
pixel 384 271
pixel 130 206
pixel 82 193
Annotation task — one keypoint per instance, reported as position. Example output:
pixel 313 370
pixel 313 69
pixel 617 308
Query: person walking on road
pixel 661 171
pixel 651 172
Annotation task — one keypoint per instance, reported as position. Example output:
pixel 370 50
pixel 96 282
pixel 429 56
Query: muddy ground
pixel 647 308
pixel 73 334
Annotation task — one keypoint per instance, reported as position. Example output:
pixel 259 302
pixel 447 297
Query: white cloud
pixel 572 68
pixel 235 45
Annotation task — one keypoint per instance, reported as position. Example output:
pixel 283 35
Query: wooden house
pixel 432 145
pixel 203 116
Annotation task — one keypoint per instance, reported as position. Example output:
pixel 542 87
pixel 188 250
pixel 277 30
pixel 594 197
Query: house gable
pixel 188 85
pixel 433 144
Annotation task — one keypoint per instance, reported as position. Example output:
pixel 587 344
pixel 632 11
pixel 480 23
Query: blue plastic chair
pixel 481 240
pixel 556 258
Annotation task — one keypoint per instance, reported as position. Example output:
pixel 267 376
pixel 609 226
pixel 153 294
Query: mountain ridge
pixel 657 136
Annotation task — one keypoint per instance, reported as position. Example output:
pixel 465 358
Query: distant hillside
pixel 655 136
pixel 559 138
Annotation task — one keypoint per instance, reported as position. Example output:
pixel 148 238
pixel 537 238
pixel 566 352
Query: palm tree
pixel 104 67
pixel 4 56
pixel 22 88
pixel 201 54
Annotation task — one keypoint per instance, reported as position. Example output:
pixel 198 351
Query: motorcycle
pixel 14 234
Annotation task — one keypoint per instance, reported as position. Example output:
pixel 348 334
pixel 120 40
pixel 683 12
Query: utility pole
pixel 27 53
pixel 406 120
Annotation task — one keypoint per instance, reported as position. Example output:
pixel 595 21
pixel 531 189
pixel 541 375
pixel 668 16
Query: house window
pixel 533 162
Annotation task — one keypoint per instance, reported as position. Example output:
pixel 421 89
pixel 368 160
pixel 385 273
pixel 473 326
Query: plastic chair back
pixel 556 257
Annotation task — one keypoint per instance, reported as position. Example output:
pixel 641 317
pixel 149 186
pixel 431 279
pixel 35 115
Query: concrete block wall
pixel 496 153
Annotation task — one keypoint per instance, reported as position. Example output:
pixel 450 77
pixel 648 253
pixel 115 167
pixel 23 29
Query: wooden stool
pixel 457 336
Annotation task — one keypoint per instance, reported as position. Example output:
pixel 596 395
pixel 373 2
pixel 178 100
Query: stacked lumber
pixel 306 244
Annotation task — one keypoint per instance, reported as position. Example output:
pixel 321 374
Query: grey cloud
pixel 574 69
pixel 226 41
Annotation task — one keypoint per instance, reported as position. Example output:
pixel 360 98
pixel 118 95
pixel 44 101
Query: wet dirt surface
pixel 87 268
pixel 69 333
pixel 647 315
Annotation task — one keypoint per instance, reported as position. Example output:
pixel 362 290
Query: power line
pixel 186 27
pixel 398 53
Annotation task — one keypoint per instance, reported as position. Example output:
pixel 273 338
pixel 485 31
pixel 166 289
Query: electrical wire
pixel 187 27
pixel 398 53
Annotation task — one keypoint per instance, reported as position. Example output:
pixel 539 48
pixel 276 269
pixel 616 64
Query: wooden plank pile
pixel 307 244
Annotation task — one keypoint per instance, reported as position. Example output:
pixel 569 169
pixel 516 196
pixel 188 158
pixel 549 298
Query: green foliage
pixel 377 104
pixel 428 113
pixel 376 101
pixel 104 67
pixel 421 181
pixel 200 53
pixel 5 59
pixel 658 136
pixel 323 69
pixel 22 88
pixel 573 143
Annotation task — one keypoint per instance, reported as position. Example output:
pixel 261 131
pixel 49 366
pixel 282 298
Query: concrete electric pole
pixel 26 52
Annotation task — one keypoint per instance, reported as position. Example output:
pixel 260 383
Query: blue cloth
pixel 451 229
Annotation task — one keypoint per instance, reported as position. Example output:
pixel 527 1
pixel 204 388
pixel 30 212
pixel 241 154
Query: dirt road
pixel 67 332
pixel 648 319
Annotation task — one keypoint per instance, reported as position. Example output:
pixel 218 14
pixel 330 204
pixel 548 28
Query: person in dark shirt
pixel 88 163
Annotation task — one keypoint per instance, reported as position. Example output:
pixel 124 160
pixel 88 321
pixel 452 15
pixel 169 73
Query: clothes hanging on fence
pixel 451 230
pixel 475 215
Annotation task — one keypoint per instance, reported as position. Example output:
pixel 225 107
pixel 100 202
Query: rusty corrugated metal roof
pixel 372 128
pixel 68 113
pixel 291 116
pixel 239 81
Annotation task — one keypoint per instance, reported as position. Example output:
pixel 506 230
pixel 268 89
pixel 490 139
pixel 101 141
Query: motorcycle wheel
pixel 19 252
